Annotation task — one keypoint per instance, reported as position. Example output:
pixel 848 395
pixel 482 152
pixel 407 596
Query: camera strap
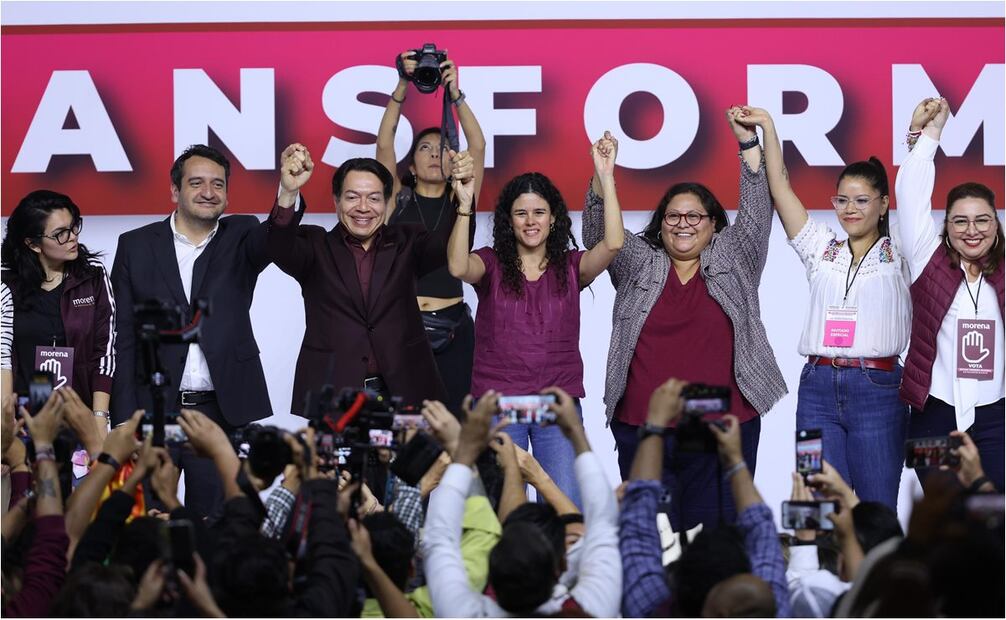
pixel 448 130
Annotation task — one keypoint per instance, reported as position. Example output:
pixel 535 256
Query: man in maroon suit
pixel 359 282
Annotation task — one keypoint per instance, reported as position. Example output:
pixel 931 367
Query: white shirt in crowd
pixel 920 236
pixel 598 587
pixel 878 291
pixel 196 373
pixel 812 590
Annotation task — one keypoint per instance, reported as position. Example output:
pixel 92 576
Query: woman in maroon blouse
pixel 527 327
pixel 686 306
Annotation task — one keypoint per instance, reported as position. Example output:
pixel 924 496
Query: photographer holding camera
pixel 422 196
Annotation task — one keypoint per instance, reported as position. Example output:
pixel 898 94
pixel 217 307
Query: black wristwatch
pixel 651 429
pixel 108 459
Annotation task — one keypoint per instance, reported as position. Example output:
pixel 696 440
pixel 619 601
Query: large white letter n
pixel 249 132
pixel 94 135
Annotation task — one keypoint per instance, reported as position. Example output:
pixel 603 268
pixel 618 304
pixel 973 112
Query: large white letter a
pixel 94 135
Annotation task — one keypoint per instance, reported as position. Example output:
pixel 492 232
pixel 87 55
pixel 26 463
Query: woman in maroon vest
pixel 953 376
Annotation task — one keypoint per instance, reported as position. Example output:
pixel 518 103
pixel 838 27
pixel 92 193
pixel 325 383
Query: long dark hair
pixel 709 202
pixel 28 222
pixel 560 238
pixel 981 192
pixel 873 172
pixel 409 179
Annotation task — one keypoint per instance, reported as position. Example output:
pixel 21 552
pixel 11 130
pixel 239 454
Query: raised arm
pixel 290 253
pixel 644 584
pixel 791 211
pixel 745 243
pixel 513 483
pixel 754 518
pixel 913 187
pixel 389 126
pixel 599 256
pixel 469 124
pixel 460 262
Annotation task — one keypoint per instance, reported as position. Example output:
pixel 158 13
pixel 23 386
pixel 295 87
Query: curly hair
pixel 558 243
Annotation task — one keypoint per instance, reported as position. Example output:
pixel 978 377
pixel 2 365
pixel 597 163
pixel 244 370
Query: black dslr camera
pixel 427 76
pixel 265 448
pixel 352 425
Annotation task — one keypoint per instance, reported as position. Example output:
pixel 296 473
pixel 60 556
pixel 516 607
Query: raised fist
pixel 939 119
pixel 924 112
pixel 754 117
pixel 604 152
pixel 463 174
pixel 741 132
pixel 295 167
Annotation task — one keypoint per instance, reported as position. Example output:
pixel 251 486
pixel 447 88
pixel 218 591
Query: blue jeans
pixel 863 424
pixel 553 451
pixel 939 418
pixel 697 492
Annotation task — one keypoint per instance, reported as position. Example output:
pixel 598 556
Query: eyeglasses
pixel 983 223
pixel 62 235
pixel 692 218
pixel 860 202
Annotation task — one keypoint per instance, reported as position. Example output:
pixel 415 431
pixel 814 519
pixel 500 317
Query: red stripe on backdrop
pixel 132 70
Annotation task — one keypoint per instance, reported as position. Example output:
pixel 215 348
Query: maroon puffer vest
pixel 932 295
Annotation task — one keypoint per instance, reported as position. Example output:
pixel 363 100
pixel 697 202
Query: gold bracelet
pixel 465 213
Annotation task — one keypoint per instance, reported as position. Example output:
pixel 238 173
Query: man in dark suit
pixel 359 282
pixel 195 254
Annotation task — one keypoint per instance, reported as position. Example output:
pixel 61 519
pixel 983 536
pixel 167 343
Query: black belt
pixel 189 398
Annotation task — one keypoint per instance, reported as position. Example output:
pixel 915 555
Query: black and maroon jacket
pixel 87 307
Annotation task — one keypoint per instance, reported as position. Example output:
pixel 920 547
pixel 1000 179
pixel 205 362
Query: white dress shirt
pixel 598 588
pixel 920 238
pixel 879 292
pixel 196 373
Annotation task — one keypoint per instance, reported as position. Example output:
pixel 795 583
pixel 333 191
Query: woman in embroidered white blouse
pixel 859 322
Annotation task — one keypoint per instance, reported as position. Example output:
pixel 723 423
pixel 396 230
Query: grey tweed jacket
pixel 731 265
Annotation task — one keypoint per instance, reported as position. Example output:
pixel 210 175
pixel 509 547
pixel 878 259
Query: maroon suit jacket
pixel 340 324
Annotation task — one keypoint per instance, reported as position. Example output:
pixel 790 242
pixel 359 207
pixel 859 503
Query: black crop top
pixel 431 213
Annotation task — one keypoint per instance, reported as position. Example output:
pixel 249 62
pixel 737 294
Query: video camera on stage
pixel 157 322
pixel 351 425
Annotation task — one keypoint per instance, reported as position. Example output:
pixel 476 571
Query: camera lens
pixel 427 74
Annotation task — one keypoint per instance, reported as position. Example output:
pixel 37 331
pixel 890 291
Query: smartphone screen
pixel 408 420
pixel 931 451
pixel 178 544
pixel 382 438
pixel 807 515
pixel 809 452
pixel 529 409
pixel 39 391
pixel 706 399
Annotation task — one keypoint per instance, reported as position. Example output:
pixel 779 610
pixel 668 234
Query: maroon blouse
pixel 687 336
pixel 525 344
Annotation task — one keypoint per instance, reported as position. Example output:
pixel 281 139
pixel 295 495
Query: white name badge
pixel 840 326
pixel 976 349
